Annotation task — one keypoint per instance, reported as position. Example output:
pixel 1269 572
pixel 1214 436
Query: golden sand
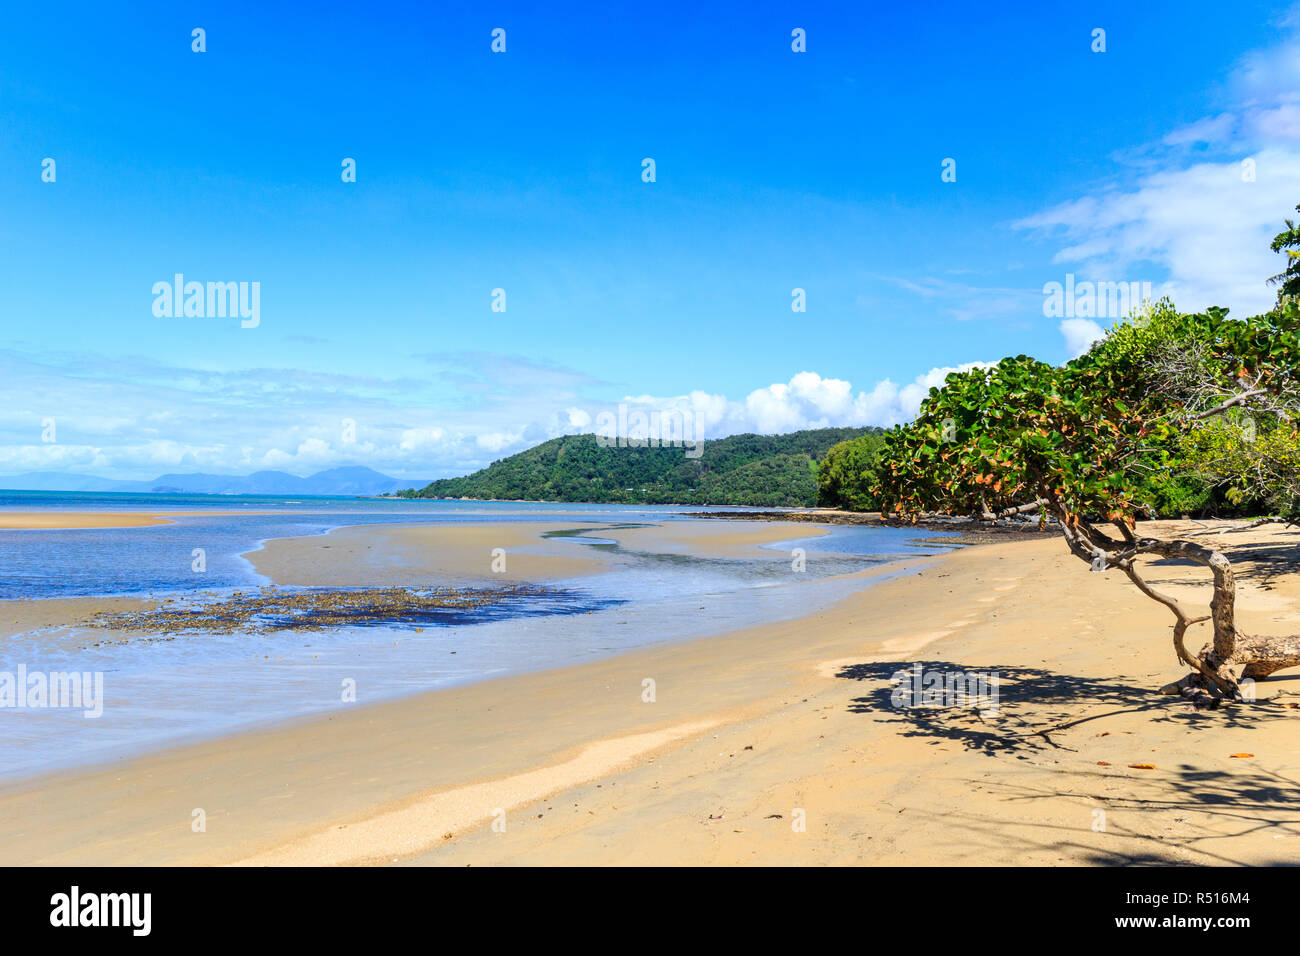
pixel 64 520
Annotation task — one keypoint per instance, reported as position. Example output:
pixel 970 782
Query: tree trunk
pixel 1231 656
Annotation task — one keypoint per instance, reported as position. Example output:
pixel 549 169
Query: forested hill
pixel 761 470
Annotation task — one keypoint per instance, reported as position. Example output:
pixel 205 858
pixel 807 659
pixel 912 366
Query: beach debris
pixel 1143 766
pixel 1241 755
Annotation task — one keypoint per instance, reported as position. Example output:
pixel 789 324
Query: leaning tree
pixel 1090 444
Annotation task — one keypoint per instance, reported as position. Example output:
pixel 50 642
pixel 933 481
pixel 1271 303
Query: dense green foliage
pixel 757 470
pixel 847 475
pixel 996 438
pixel 1254 465
pixel 1126 430
pixel 1240 456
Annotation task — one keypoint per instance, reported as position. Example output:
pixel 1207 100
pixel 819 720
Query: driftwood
pixel 987 515
pixel 1275 519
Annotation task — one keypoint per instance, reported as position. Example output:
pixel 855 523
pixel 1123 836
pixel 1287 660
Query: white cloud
pixel 1193 213
pixel 1211 129
pixel 495 441
pixel 1205 227
pixel 1079 335
pixel 420 439
pixel 806 401
pixel 393 426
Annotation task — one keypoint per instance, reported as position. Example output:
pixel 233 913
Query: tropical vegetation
pixel 1169 412
pixel 756 470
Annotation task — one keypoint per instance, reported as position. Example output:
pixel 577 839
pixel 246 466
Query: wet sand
pixel 69 520
pixel 408 555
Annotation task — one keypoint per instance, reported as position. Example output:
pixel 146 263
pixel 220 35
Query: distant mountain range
pixel 353 480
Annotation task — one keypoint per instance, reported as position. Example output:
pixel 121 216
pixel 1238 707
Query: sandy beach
pixel 775 744
pixel 72 520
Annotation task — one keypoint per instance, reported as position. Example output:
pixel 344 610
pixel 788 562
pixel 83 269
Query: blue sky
pixel 522 171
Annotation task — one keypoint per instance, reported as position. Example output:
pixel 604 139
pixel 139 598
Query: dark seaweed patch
pixel 288 609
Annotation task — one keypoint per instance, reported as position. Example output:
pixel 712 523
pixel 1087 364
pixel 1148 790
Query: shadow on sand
pixel 1200 812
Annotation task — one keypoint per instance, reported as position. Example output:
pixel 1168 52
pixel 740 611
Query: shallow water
pixel 173 688
pixel 161 558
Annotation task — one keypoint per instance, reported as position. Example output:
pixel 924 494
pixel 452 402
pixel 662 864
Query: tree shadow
pixel 1162 816
pixel 1032 706
pixel 1264 562
pixel 1260 562
pixel 1184 815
